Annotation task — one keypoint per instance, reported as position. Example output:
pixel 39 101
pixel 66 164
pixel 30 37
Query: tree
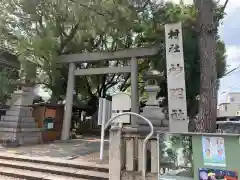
pixel 187 14
pixel 7 77
pixel 42 30
pixel 207 21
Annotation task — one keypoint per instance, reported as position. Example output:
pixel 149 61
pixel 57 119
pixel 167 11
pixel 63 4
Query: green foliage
pixel 184 142
pixel 7 77
pixel 155 34
pixel 41 30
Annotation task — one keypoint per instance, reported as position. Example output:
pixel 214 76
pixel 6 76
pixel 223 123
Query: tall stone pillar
pixel 134 90
pixel 69 102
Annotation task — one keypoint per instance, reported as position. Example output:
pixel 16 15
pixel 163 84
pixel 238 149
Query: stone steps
pixel 24 167
pixel 17 113
pixel 16 124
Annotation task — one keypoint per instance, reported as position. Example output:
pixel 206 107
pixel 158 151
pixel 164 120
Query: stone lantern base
pixel 17 126
pixel 152 111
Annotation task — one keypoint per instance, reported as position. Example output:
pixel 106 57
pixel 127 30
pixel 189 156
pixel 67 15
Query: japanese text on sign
pixel 174 48
pixel 175 68
pixel 173 34
pixel 177 106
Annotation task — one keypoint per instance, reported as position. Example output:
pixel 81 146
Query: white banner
pixel 104 109
pixel 177 106
pixel 100 111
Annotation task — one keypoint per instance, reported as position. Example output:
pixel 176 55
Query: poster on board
pixel 216 174
pixel 213 151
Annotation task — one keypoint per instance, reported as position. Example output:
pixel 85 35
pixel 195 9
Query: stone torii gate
pixel 73 59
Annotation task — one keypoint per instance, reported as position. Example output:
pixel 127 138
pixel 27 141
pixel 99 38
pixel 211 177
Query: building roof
pixel 223 103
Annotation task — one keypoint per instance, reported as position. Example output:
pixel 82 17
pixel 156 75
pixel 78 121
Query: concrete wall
pixel 233 97
pixel 229 110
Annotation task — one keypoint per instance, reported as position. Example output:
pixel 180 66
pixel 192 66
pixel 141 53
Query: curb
pixel 47 170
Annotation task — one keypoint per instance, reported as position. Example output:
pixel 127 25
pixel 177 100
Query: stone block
pixel 17 124
pixel 8 130
pixel 17 118
pixel 20 112
pixel 20 138
pixel 25 140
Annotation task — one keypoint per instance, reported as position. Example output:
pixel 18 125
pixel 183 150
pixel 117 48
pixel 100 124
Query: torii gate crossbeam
pixel 73 59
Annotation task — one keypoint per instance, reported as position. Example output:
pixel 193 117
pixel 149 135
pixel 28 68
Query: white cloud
pixel 233 55
pixel 229 82
pixel 232 12
pixel 229 33
pixel 231 6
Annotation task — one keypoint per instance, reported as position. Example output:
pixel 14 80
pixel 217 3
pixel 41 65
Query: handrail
pixel 158 150
pixel 145 140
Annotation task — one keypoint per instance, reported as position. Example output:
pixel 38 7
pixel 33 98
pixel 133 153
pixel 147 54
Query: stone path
pixel 86 149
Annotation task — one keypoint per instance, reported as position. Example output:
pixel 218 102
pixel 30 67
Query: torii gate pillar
pixel 134 90
pixel 69 102
pixel 71 59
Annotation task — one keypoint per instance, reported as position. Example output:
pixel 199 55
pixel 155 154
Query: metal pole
pixel 69 101
pixel 100 110
pixel 158 150
pixel 103 127
pixel 134 90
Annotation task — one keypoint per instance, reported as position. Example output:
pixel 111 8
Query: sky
pixel 229 34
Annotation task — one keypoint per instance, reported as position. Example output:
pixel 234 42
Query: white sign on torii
pixel 121 102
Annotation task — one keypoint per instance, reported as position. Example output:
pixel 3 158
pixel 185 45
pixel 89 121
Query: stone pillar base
pixel 17 126
pixel 155 115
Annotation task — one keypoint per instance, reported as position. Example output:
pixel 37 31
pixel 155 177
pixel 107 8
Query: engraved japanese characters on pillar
pixel 177 105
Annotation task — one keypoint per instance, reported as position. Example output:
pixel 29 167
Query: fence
pixel 127 145
pixel 89 126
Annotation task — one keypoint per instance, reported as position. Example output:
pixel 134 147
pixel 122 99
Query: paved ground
pixel 86 149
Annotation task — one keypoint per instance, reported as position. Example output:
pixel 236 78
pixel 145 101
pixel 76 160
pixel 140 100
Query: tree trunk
pixel 206 120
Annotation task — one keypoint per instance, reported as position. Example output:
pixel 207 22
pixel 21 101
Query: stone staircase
pixel 44 168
